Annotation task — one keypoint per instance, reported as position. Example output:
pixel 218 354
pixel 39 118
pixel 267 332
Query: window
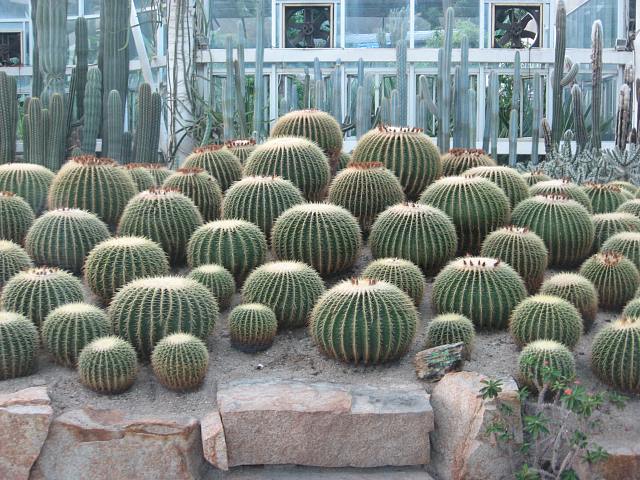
pixel 10 48
pixel 308 26
pixel 376 23
pixel 429 24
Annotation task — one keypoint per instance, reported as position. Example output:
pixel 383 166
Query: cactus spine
pixel 541 354
pixel 115 125
pixel 402 273
pixel 200 187
pixel 180 361
pixel 36 133
pixel 82 62
pixel 218 280
pixel 31 182
pixel 508 179
pixel 258 100
pixel 577 290
pixel 607 225
pixel 51 23
pixel 13 259
pixel 108 365
pixel 218 161
pixel 558 70
pixel 252 327
pixel 615 277
pixel 596 83
pixel 625 243
pixel 18 345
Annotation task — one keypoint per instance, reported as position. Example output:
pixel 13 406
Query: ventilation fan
pixel 516 26
pixel 308 27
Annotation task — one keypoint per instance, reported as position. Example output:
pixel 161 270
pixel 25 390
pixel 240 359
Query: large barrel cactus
pixel 16 216
pixel 108 365
pixel 615 355
pixel 577 290
pixel 252 327
pixel 541 355
pixel 13 259
pixel 508 179
pixel 180 361
pixel 28 180
pixel 402 273
pixel 219 162
pixel 200 187
pixel 459 160
pixel 604 198
pixel 615 277
pixel 565 188
pixel 218 280
pixel 625 243
pixel 606 225
pixel 18 345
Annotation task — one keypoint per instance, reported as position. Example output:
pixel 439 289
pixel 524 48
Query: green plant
pixel 545 317
pixel 237 245
pixel 419 233
pixel 200 187
pixel 508 179
pixel 459 160
pixel 64 237
pixel 632 309
pixel 606 225
pixel 615 277
pixel 93 184
pixel 218 280
pixel 165 216
pixel 13 259
pixel 564 225
pixel 476 206
pixel 364 321
pixel 325 236
pixel 344 160
pixel 8 117
pixel 117 261
pixel 70 327
pixel 535 177
pixel 18 345
pixel 630 206
pixel 16 217
pixel 147 119
pixel 141 176
pixel 260 200
pixel 625 185
pixel 483 289
pixel 604 198
pixel 577 290
pixel 148 309
pixel 404 274
pixel 252 327
pixel 241 148
pixel 158 171
pixel 218 161
pixel 296 159
pixel 180 361
pixel 522 249
pixel 625 243
pixel 108 365
pixel 451 328
pixel 615 354
pixel 92 111
pixel 37 291
pixel 540 355
pixel 27 180
pixel 565 188
pixel 407 152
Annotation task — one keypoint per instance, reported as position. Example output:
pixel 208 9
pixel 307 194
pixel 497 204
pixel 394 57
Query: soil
pixel 294 356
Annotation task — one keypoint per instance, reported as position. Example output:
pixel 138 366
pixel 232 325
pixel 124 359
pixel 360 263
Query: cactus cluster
pixel 108 365
pixel 544 354
pixel 218 280
pixel 459 160
pixel 483 289
pixel 604 198
pixel 562 187
pixel 578 291
pixel 18 345
pixel 451 328
pixel 29 181
pixel 615 277
pixel 200 187
pixel 13 259
pixel 476 206
pixel 241 148
pixel 180 361
pixel 16 217
pixel 399 272
pixel 252 327
pixel 219 162
pixel 508 179
pixel 422 234
pixel 625 243
pixel 535 177
pixel 606 225
pixel 141 176
pixel 364 321
pixel 615 355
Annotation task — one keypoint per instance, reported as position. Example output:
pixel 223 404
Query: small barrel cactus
pixel 158 171
pixel 13 259
pixel 365 189
pixel 219 162
pixel 241 148
pixel 625 243
pixel 535 177
pixel 117 261
pixel 237 245
pixel 459 160
pixel 93 184
pixel 632 309
pixel 325 236
pixel 615 355
pixel 70 327
pixel 578 291
pixel 508 179
pixel 522 249
pixel 29 181
pixel 260 200
pixel 165 216
pixel 364 321
pixel 64 237
pixel 630 206
pixel 541 356
pixel 546 317
pixel 604 198
pixel 607 225
pixel 140 176
pixel 218 280
pixel 564 225
pixel 290 289
pixel 180 361
pixel 565 188
pixel 615 277
pixel 296 159
pixel 401 273
pixel 148 309
pixel 476 206
pixel 483 289
pixel 624 185
pixel 419 233
pixel 451 328
pixel 108 365
pixel 16 216
pixel 407 152
pixel 18 345
pixel 252 327
pixel 36 292
pixel 200 187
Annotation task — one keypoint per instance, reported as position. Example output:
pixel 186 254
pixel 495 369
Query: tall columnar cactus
pixel 459 160
pixel 579 128
pixel 165 216
pixel 513 137
pixel 13 259
pixel 615 277
pixel 295 159
pixel 180 361
pixel 115 126
pixel 117 261
pixel 364 321
pixel 564 225
pixel 158 171
pixel 476 206
pixel 419 233
pixel 218 161
pixel 252 327
pixel 218 280
pixel 37 291
pixel 93 184
pixel 290 289
pixel 450 328
pixel 241 148
pixel 18 345
pixel 108 365
pixel 64 237
pixel 604 198
pixel 401 80
pixel 148 309
pixel 92 111
pixel 200 187
pixel 51 24
pixel 623 117
pixel 404 274
pixel 16 217
pixel 237 245
pixel 558 71
pixel 147 131
pixel 577 290
pixel 536 117
pixel 8 117
pixel 625 243
pixel 615 355
pixel 407 152
pixel 325 236
pixel 462 122
pixel 57 138
pixel 508 179
pixel 491 118
pixel 540 355
pixel 563 187
pixel 36 133
pixel 260 200
pixel 259 89
pixel 596 83
pixel 606 225
pixel 82 62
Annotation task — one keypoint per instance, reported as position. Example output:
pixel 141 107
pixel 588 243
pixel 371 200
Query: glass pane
pixel 376 23
pixel 580 17
pixel 227 17
pixel 16 9
pixel 72 8
pixel 91 7
pixel 429 27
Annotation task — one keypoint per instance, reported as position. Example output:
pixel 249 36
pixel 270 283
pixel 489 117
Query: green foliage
pixel 402 273
pixel 415 232
pixel 218 280
pixel 542 354
pixel 508 179
pixel 241 148
pixel 108 365
pixel 13 259
pixel 451 328
pixel 180 361
pixel 483 289
pixel 459 160
pixel 607 225
pixel 18 345
pixel 535 177
pixel 16 217
pixel 615 355
pixel 70 327
pixel 29 181
pixel 564 188
pixel 148 309
pixel 364 321
pixel 604 198
pixel 141 176
pixel 218 161
pixel 625 243
pixel 577 290
pixel 615 277
pixel 64 237
pixel 252 327
pixel 200 187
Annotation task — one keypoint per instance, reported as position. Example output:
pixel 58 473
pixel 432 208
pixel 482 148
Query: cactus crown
pixel 366 165
pixel 398 130
pixel 609 259
pixel 467 151
pixel 190 171
pixel 92 161
pixel 39 273
pixel 470 263
pixel 156 193
pixel 208 148
pixel 240 143
pixel 178 338
pixel 104 344
pixel 602 186
pixel 169 282
pixel 7 194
